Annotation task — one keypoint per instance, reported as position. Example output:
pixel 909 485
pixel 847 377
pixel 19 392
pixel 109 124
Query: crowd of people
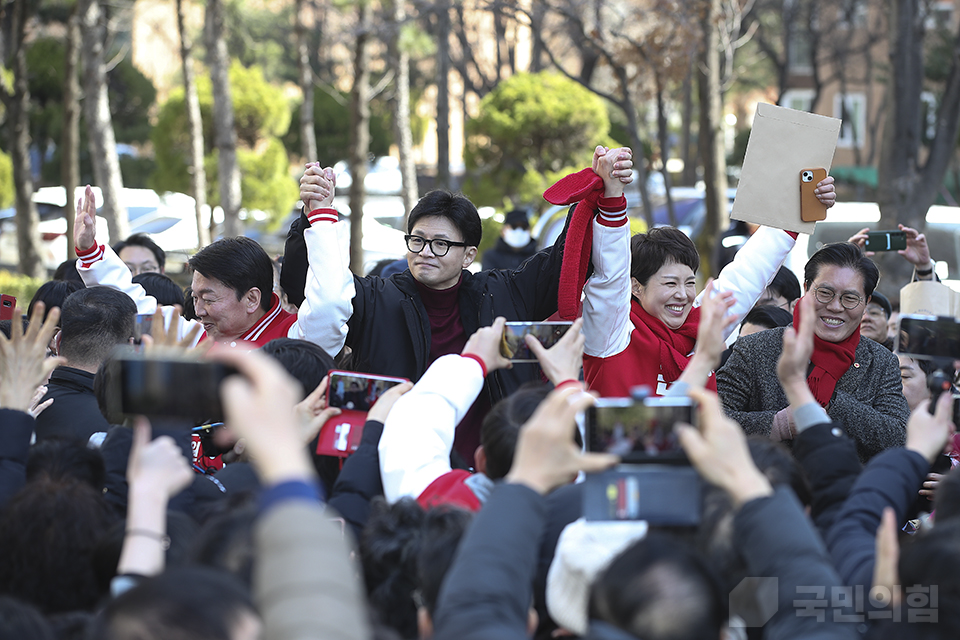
pixel 825 502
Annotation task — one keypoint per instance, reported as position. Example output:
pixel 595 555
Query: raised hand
pixel 562 361
pixel 826 193
pixel 485 344
pixel 24 364
pixel 615 168
pixel 85 224
pixel 546 455
pixel 313 412
pixel 719 452
pixel 795 356
pixel 317 187
pixel 917 252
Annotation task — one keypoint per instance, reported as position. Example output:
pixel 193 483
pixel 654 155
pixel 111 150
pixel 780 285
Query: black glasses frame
pixel 433 247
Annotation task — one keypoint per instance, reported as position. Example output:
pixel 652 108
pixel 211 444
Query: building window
pixel 799 99
pixel 852 111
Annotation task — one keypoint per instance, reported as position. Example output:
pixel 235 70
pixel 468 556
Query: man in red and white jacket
pixel 232 286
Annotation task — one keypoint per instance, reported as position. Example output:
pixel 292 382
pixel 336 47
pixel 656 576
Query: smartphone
pixel 353 393
pixel 514 347
pixel 660 494
pixel 928 337
pixel 640 432
pixel 811 209
pixel 357 391
pixel 7 305
pixel 166 387
pixel 142 326
pixel 886 241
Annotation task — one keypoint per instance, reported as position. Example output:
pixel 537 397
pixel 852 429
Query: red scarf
pixel 674 346
pixel 587 187
pixel 830 361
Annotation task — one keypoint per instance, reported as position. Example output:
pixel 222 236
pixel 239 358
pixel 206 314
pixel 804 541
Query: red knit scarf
pixel 830 361
pixel 587 187
pixel 651 336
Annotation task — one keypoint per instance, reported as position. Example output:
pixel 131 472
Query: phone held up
pixel 655 481
pixel 180 389
pixel 514 347
pixel 811 209
pixel 7 305
pixel 353 393
pixel 886 241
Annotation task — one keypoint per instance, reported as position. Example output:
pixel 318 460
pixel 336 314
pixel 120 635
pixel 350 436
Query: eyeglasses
pixel 438 247
pixel 875 311
pixel 825 295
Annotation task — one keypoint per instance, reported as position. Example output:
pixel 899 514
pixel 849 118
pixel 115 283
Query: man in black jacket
pixel 398 326
pixel 92 323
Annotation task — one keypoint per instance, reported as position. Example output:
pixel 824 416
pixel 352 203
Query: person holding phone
pixel 641 309
pixel 398 326
pixel 916 252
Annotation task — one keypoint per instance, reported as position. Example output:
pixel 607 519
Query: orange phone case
pixel 811 209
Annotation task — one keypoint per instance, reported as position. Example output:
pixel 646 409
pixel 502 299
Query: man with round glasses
pixel 857 381
pixel 399 325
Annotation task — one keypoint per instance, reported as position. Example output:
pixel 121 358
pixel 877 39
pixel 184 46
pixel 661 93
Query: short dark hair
pixel 143 240
pixel 501 427
pixel 93 322
pixel 842 254
pixel 240 264
pixel 67 270
pixel 631 593
pixel 52 294
pixel 453 206
pixel 305 361
pixel 57 574
pixel 786 284
pixel 389 548
pixel 185 603
pixel 768 316
pixel 166 291
pixel 662 245
pixel 443 529
pixel 66 461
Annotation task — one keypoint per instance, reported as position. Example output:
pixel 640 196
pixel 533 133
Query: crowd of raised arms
pixel 290 450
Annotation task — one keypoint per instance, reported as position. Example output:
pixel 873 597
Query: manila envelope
pixel 782 143
pixel 928 298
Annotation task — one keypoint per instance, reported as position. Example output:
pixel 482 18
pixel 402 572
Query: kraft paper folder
pixel 782 143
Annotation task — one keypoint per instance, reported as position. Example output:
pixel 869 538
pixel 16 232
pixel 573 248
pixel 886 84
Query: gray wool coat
pixel 868 400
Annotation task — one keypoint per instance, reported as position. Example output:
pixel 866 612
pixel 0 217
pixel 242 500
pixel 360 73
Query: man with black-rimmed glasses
pixel 399 325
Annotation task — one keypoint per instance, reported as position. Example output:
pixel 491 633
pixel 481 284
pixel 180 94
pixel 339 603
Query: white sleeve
pixel 418 434
pixel 329 291
pixel 606 303
pixel 753 269
pixel 108 270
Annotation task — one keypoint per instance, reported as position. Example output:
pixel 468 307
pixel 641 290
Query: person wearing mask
pixel 514 244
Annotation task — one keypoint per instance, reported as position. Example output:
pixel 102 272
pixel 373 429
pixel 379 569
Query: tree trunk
pixel 443 94
pixel 96 108
pixel 70 138
pixel 225 134
pixel 400 60
pixel 28 236
pixel 308 136
pixel 905 189
pixel 359 133
pixel 711 138
pixel 662 139
pixel 686 139
pixel 198 173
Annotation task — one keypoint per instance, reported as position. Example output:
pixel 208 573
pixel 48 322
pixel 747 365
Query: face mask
pixel 516 238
